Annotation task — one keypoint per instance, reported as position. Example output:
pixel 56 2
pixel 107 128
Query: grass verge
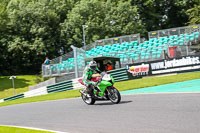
pixel 6 129
pixel 21 85
pixel 121 86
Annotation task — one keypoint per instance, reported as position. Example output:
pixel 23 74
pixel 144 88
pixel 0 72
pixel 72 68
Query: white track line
pixel 34 128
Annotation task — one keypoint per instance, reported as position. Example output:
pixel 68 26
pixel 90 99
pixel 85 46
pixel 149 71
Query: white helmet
pixel 93 65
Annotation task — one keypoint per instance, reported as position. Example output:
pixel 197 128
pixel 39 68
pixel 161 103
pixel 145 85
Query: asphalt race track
pixel 144 113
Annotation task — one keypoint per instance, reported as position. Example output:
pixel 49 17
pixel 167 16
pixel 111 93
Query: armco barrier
pixel 62 86
pixel 119 74
pixel 14 97
pixel 2 100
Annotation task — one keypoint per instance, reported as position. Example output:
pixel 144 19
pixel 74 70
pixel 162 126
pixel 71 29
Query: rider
pixel 87 76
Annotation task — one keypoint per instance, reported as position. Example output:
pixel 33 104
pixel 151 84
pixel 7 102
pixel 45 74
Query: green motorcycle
pixel 107 90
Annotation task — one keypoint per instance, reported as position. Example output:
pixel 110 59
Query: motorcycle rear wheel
pixel 88 100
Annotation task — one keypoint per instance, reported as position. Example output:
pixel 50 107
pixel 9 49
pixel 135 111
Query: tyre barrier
pixel 119 74
pixel 61 86
pixel 14 97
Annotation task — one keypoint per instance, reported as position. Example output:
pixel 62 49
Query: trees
pixel 104 19
pixel 32 29
pixel 3 43
pixel 163 14
pixel 33 32
pixel 194 15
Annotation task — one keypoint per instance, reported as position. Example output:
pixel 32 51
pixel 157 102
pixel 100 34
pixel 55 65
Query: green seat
pixel 115 45
pixel 172 37
pixel 147 55
pixel 156 44
pixel 167 39
pixel 160 44
pixel 152 39
pixel 187 37
pixel 70 68
pixel 134 43
pixel 157 41
pixel 143 55
pixel 191 38
pixel 146 42
pixel 66 66
pixel 196 34
pixel 105 54
pixel 141 44
pixel 107 46
pixel 160 51
pixel 145 46
pixel 158 55
pixel 136 57
pixel 53 68
pixel 151 43
pixel 176 43
pixel 181 41
pixel 153 55
pixel 130 45
pixel 99 47
pixel 135 47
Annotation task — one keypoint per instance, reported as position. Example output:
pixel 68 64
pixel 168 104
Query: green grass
pixel 21 85
pixel 122 86
pixel 6 129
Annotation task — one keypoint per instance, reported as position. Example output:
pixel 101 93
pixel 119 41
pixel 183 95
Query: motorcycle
pixel 106 90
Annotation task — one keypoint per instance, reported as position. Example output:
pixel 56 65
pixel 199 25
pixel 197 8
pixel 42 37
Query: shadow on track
pixel 110 103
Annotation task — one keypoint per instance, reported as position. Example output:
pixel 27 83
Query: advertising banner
pixel 188 63
pixel 138 70
pixel 174 65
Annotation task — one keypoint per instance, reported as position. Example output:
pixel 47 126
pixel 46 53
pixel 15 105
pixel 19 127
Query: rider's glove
pixel 94 83
pixel 98 81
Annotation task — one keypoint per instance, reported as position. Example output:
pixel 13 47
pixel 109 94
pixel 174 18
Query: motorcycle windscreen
pixel 106 77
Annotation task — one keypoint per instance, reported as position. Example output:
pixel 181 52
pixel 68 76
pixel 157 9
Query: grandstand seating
pixel 151 49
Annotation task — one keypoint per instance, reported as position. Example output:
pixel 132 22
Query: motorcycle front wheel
pixel 88 100
pixel 114 95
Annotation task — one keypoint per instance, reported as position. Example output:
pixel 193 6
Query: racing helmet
pixel 93 65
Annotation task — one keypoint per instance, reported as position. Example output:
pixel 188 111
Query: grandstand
pixel 130 49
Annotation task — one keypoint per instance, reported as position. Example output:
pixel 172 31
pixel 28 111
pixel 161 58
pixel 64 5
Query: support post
pixel 84 26
pixel 13 83
pixel 75 61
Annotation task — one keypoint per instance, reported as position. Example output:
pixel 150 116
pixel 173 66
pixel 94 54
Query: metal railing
pixel 72 63
pixel 113 40
pixel 62 58
pixel 174 31
pixel 121 39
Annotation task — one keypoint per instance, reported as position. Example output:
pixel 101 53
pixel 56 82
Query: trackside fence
pixel 14 97
pixel 58 87
pixel 119 74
